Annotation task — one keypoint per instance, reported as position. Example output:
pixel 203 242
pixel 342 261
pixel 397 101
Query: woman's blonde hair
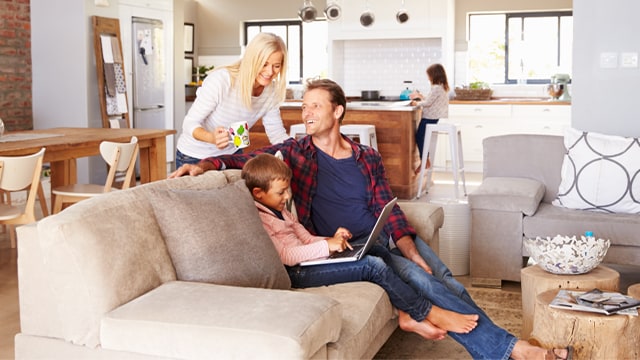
pixel 245 71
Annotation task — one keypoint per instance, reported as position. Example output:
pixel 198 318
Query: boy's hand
pixel 339 241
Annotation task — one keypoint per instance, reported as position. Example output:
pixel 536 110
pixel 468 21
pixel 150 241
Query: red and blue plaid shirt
pixel 301 156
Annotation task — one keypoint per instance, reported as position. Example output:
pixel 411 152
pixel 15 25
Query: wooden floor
pixel 9 312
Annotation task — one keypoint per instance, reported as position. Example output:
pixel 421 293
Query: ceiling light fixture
pixel 402 16
pixel 367 18
pixel 332 11
pixel 307 12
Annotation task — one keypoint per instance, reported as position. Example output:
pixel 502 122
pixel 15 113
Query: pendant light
pixel 402 16
pixel 367 18
pixel 307 12
pixel 332 11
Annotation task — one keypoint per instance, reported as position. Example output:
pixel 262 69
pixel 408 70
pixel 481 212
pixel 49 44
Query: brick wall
pixel 15 65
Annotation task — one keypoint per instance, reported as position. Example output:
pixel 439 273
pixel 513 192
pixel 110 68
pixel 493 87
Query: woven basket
pixel 473 94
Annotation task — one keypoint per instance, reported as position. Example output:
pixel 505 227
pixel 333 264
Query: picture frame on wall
pixel 189 29
pixel 188 70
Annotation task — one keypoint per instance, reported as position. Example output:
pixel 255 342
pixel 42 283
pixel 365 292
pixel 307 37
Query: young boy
pixel 267 178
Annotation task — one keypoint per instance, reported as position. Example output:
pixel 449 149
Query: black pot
pixel 370 95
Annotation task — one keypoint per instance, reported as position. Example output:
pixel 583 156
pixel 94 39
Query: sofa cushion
pixel 621 229
pixel 185 320
pixel 216 236
pixel 508 194
pixel 367 315
pixel 98 254
pixel 600 172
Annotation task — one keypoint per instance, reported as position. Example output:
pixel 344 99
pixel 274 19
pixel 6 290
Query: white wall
pixel 605 99
pixel 218 28
pixel 65 90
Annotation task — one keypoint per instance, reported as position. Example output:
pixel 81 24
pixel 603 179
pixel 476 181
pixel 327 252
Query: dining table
pixel 65 144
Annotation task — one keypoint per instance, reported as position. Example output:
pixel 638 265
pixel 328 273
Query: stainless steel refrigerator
pixel 148 73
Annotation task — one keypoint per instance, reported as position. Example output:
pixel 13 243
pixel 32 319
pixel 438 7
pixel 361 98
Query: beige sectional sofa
pixel 521 178
pixel 112 278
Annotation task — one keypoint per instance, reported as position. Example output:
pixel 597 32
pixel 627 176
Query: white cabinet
pixel 541 119
pixel 477 122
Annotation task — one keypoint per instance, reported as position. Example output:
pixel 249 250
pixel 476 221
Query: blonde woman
pixel 247 90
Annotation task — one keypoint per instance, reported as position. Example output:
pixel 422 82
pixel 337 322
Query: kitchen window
pixel 514 48
pixel 304 62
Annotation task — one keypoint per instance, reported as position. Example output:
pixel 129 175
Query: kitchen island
pixel 395 131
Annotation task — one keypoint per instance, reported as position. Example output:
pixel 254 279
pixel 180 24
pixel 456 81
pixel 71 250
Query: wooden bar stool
pixel 457 160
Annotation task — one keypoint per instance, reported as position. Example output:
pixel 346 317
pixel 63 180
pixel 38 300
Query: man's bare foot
pixel 425 328
pixel 523 350
pixel 452 321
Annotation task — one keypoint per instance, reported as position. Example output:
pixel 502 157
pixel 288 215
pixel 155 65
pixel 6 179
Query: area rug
pixel 504 307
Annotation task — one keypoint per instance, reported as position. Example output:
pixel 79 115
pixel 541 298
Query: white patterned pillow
pixel 600 172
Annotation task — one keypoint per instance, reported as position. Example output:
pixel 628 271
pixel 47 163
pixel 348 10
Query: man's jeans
pixel 487 340
pixel 370 268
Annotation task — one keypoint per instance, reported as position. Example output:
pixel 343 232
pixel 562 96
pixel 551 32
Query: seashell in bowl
pixel 567 255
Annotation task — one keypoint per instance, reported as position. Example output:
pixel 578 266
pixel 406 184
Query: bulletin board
pixel 112 88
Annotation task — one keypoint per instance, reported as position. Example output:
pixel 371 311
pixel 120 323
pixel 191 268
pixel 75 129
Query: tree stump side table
pixel 634 291
pixel 535 280
pixel 592 335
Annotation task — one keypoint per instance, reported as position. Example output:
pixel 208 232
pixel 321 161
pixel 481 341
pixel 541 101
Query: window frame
pixel 524 15
pixel 287 23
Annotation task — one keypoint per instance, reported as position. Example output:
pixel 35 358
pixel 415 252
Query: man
pixel 339 183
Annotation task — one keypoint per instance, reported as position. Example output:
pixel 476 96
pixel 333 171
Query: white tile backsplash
pixel 385 64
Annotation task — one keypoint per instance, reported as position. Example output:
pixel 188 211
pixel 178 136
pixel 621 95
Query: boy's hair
pixel 261 170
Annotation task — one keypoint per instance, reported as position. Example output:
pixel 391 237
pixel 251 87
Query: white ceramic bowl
pixel 567 255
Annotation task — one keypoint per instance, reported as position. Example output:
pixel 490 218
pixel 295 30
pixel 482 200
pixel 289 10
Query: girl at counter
pixel 435 105
pixel 247 90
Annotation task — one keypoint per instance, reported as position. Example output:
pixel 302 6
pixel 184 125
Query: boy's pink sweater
pixel 293 242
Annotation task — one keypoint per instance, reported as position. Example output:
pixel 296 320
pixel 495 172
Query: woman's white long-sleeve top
pixel 218 104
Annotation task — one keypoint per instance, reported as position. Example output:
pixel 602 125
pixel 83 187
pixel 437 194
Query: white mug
pixel 239 134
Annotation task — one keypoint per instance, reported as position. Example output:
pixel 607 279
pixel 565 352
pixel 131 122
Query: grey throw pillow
pixel 216 236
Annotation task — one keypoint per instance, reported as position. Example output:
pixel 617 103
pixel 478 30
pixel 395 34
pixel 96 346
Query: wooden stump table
pixel 535 280
pixel 634 291
pixel 592 335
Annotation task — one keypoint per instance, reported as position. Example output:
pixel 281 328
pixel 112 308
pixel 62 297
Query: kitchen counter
pixel 362 105
pixel 510 101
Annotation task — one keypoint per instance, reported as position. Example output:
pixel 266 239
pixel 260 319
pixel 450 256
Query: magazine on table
pixel 597 301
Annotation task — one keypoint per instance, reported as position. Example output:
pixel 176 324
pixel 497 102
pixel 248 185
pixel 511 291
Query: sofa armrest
pixel 426 218
pixel 189 320
pixel 510 194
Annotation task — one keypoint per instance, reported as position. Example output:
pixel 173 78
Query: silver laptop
pixel 359 250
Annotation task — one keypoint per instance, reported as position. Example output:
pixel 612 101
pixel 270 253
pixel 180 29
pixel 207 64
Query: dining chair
pixel 20 173
pixel 120 157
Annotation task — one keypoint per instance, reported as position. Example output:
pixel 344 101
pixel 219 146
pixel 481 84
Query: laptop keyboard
pixel 348 253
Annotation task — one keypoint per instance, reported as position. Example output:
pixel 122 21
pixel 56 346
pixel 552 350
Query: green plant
pixel 202 70
pixel 479 85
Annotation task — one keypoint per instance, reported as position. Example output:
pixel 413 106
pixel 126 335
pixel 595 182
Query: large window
pixel 519 47
pixel 304 62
